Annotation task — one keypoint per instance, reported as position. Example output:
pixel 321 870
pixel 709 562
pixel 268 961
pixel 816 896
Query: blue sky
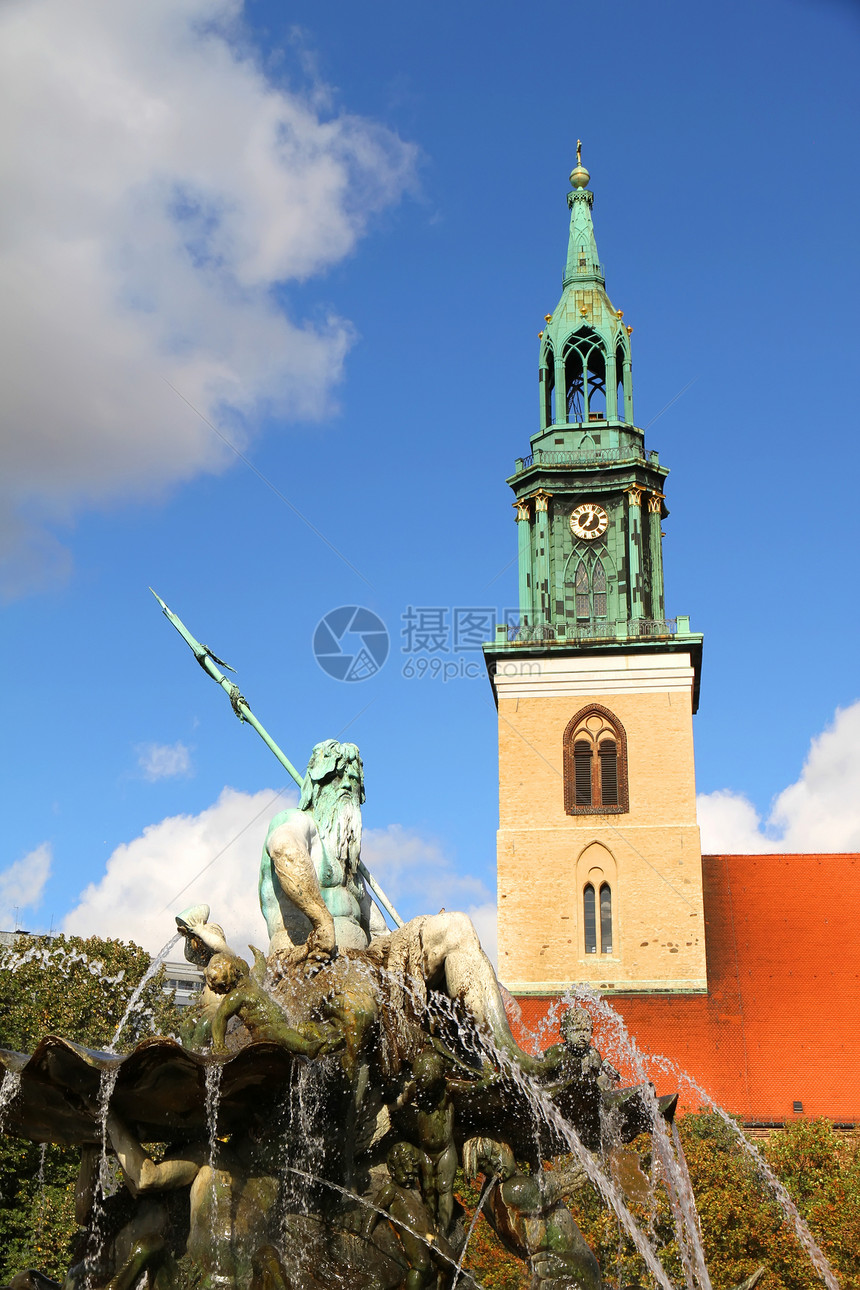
pixel 335 232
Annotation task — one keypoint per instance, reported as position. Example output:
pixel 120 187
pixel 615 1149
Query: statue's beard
pixel 338 817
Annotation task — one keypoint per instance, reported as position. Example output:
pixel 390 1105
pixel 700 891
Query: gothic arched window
pixel 595 769
pixel 586 586
pixel 594 908
pixel 589 919
pixel 605 918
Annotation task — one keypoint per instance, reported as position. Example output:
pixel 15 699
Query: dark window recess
pixel 559 441
pixel 580 583
pixel 582 772
pixel 608 754
pixel 605 918
pixel 590 920
pixel 598 587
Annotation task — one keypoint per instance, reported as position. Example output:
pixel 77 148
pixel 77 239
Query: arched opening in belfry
pixel 547 376
pixel 619 377
pixel 585 377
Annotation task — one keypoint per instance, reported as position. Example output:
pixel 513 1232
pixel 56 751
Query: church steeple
pixel 582 259
pixel 589 498
pixel 599 859
pixel 585 355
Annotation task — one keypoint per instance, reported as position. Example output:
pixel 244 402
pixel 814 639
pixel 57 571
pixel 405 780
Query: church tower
pixel 599 858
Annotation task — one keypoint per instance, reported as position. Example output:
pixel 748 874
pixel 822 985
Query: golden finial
pixel 579 176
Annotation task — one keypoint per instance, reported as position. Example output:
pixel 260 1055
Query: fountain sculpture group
pixel 304 1130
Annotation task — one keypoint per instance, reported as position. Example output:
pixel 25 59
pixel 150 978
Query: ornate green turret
pixel 589 498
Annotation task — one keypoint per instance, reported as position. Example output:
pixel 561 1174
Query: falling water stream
pixel 763 1169
pixel 545 1110
pixel 383 1213
pixel 485 1196
pixel 140 987
pixel 107 1084
pixel 639 1062
pixel 214 1073
pixel 40 1221
pixel 8 1089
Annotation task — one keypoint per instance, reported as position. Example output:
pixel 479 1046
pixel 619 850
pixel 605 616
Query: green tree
pixel 743 1226
pixel 78 989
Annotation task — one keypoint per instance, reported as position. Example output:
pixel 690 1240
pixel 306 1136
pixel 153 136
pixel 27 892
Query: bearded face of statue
pixel 337 812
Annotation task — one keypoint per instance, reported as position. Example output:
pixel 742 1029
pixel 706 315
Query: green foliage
pixel 78 989
pixel 743 1225
pixel 487 1259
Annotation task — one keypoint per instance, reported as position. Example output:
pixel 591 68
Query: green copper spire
pixel 589 497
pixel 586 370
pixel 583 264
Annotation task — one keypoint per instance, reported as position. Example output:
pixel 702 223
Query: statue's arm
pixel 140 1170
pixel 555 1184
pixel 525 1195
pixel 370 1218
pixel 289 847
pixel 228 1007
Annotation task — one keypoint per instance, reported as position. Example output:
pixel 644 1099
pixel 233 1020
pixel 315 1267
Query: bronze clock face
pixel 589 521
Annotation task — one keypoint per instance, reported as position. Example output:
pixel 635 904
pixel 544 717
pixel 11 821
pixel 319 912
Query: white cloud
pixel 485 917
pixel 22 884
pixel 419 878
pixel 163 761
pixel 158 188
pixel 182 861
pixel 144 875
pixel 820 812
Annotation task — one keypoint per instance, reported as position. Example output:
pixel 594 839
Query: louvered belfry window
pixel 607 752
pixel 595 764
pixel 582 771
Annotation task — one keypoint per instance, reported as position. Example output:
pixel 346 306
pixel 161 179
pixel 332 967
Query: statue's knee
pixel 453 932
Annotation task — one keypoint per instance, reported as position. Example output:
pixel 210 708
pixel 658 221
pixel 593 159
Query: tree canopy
pixel 78 989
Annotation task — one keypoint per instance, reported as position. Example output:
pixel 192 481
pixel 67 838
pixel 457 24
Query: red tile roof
pixel 781 1021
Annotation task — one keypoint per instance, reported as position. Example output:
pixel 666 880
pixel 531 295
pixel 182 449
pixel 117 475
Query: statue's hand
pixel 321 945
pixel 315 953
pixel 332 1038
